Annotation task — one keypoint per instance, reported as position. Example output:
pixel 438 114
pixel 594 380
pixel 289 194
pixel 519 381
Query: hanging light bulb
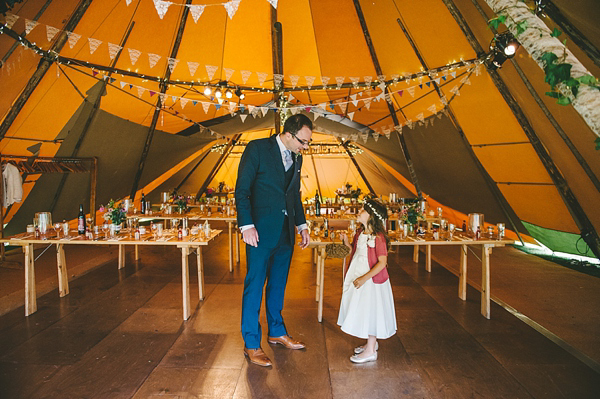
pixel 218 94
pixel 239 93
pixel 207 91
pixel 228 93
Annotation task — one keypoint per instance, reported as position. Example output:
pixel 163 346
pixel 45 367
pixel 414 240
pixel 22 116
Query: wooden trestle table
pixel 319 244
pixel 201 217
pixel 27 241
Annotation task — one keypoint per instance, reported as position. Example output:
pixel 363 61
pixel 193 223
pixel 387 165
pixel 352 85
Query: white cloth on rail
pixel 13 185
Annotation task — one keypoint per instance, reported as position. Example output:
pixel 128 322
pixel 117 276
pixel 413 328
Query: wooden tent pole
pixel 588 232
pixel 93 191
pixel 16 43
pixel 218 165
pixel 584 165
pixel 404 148
pixel 345 145
pixel 163 88
pixel 486 177
pixel 42 68
pixel 277 48
pixel 2 254
pixel 85 129
pixel 312 158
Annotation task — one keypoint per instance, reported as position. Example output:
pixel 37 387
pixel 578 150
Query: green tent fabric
pixel 559 241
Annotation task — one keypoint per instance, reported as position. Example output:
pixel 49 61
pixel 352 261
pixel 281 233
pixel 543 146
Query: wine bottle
pixel 81 220
pixel 143 208
pixel 317 204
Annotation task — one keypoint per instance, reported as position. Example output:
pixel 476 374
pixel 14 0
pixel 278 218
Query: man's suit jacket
pixel 260 193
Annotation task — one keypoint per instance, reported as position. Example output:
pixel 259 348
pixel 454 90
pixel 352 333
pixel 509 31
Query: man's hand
pixel 305 238
pixel 250 236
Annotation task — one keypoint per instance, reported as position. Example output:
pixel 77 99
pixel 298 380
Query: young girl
pixel 367 308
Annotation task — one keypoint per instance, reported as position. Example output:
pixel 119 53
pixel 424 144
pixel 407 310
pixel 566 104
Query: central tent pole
pixel 163 88
pixel 402 142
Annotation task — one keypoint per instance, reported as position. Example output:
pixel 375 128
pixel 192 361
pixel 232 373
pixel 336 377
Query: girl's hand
pixel 360 281
pixel 344 238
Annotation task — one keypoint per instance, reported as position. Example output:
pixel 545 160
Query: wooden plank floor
pixel 119 334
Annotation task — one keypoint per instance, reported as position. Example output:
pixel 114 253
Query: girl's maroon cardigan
pixel 373 255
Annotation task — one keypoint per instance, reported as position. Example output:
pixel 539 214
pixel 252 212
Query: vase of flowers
pixel 181 202
pixel 411 215
pixel 114 214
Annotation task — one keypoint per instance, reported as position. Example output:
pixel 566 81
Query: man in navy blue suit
pixel 269 208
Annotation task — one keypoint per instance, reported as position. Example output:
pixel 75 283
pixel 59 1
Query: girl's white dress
pixel 368 310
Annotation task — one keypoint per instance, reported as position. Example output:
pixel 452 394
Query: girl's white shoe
pixel 357 359
pixel 360 349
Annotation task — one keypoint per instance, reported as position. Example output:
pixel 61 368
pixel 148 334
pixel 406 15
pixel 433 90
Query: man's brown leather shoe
pixel 287 341
pixel 258 357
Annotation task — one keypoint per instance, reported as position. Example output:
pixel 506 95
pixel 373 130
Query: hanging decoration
pixel 172 62
pixel 134 55
pixel 94 43
pixel 232 7
pixel 210 70
pixel 196 11
pixel 51 32
pixel 153 59
pixel 73 39
pixel 113 50
pixel 192 66
pixel 161 7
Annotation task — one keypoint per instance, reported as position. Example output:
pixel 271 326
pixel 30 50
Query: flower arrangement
pixel 411 214
pixel 113 213
pixel 181 202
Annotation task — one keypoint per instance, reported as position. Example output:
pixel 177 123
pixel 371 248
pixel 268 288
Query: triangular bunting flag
pixel 375 136
pixel 277 79
pixel 161 7
pixel 162 97
pixel 122 84
pixel 398 128
pixel 153 59
pixel 113 50
pixel 273 3
pixel 228 73
pixel 316 115
pixel 411 91
pixel 325 80
pixel 410 123
pixel 94 43
pixel 343 106
pixel 437 80
pixel 340 81
pixel 192 66
pixel 243 117
pixel 354 80
pixel 231 6
pixel 354 101
pixel 29 25
pixel 350 115
pixel 183 102
pixel 210 71
pixel 395 77
pixel 428 84
pixel 368 80
pixel 245 76
pixel 432 109
pixel 232 106
pixel 400 92
pixel 10 19
pixel 172 62
pixel 453 74
pixel 205 106
pixel 294 80
pixel 368 103
pixel 51 31
pixel 264 110
pixel 196 11
pixel 261 77
pixel 217 106
pixel 128 2
pixel 134 55
pixel 420 117
pixel 290 97
pixel 73 39
pixel 140 91
pixel 323 106
pixel 309 81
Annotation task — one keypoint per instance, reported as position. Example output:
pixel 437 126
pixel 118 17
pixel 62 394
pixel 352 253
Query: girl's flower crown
pixel 375 212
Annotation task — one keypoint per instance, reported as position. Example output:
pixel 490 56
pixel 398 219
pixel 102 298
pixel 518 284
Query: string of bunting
pixel 435 74
pixel 318 110
pixel 231 7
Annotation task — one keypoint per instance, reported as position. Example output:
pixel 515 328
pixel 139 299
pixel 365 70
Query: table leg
pixel 322 284
pixel 428 258
pixel 230 249
pixel 416 254
pixel 61 264
pixel 30 297
pixel 185 282
pixel 137 253
pixel 485 281
pixel 200 264
pixel 121 256
pixel 313 258
pixel 318 257
pixel 462 274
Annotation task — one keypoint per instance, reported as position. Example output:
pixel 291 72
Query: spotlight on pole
pixel 503 46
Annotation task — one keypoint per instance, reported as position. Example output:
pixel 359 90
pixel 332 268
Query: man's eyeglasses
pixel 303 142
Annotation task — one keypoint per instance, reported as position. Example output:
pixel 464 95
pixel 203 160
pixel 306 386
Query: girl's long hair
pixel 376 225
